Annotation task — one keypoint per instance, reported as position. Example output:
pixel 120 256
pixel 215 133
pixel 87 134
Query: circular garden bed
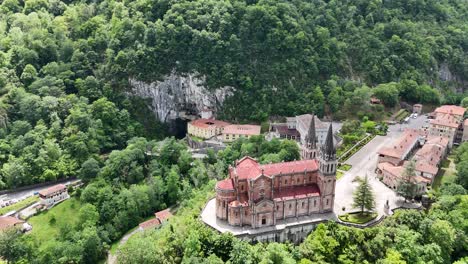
pixel 357 217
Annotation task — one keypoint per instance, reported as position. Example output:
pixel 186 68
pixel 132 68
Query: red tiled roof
pixel 290 167
pixel 430 155
pixel 450 109
pixel 149 224
pixel 9 221
pixel 52 189
pixel 284 130
pixel 398 171
pixel 242 130
pixel 163 215
pixel 225 184
pixel 205 123
pixel 160 217
pixel 248 168
pixel 297 192
pixel 402 145
pixel 445 120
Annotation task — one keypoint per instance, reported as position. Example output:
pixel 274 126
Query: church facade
pixel 258 195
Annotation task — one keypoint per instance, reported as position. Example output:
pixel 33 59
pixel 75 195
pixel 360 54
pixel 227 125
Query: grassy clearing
pixel 447 173
pixel 45 230
pixel 197 139
pixel 357 218
pixel 339 174
pixel 345 167
pixel 402 114
pixel 19 205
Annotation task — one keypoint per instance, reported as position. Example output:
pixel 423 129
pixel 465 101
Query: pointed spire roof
pixel 329 147
pixel 311 137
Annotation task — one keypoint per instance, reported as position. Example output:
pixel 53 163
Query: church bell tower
pixel 327 172
pixel 309 148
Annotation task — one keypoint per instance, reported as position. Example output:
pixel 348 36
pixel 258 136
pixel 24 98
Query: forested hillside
pixel 66 109
pixel 283 57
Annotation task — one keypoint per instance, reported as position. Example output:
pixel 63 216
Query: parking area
pixel 363 163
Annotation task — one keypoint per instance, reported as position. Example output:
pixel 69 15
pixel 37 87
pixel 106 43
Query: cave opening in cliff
pixel 179 128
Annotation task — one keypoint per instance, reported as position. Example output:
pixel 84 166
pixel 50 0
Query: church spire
pixel 311 137
pixel 328 149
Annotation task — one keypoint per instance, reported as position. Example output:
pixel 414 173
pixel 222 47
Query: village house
pixel 430 156
pixel 393 175
pixel 465 131
pixel 53 195
pixel 159 218
pixel 206 128
pixel 402 148
pixel 262 195
pixel 426 151
pixel 7 222
pixel 234 132
pixel 448 122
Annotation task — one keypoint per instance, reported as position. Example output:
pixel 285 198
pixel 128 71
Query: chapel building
pixel 259 195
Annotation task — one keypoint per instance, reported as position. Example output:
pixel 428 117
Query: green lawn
pixel 19 205
pixel 447 173
pixel 66 215
pixel 196 139
pixel 345 167
pixel 339 174
pixel 357 218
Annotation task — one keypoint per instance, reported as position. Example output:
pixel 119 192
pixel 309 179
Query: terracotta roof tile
pixel 248 168
pixel 242 130
pixel 403 144
pixel 297 192
pixel 445 120
pixel 52 189
pixel 205 123
pixel 225 184
pixel 9 221
pixel 450 109
pixel 290 167
pixel 163 215
pixel 149 224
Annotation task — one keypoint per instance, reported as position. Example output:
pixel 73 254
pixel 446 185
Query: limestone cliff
pixel 179 96
pixel 446 75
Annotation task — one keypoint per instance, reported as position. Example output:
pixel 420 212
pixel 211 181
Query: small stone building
pixel 417 108
pixel 234 132
pixel 53 195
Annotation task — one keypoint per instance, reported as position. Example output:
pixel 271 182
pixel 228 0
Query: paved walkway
pixel 364 163
pixel 209 217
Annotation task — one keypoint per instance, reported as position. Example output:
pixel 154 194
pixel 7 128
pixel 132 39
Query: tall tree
pixel 407 185
pixel 363 196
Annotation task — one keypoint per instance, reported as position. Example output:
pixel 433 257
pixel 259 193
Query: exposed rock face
pixel 446 75
pixel 180 96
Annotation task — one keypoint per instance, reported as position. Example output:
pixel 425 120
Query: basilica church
pixel 259 195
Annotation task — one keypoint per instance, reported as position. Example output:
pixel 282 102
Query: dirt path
pixel 112 258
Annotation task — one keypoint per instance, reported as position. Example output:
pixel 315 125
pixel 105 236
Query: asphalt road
pixel 364 163
pixel 19 195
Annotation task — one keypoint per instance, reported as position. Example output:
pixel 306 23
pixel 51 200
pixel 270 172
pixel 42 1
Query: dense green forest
pixel 66 111
pixel 65 66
